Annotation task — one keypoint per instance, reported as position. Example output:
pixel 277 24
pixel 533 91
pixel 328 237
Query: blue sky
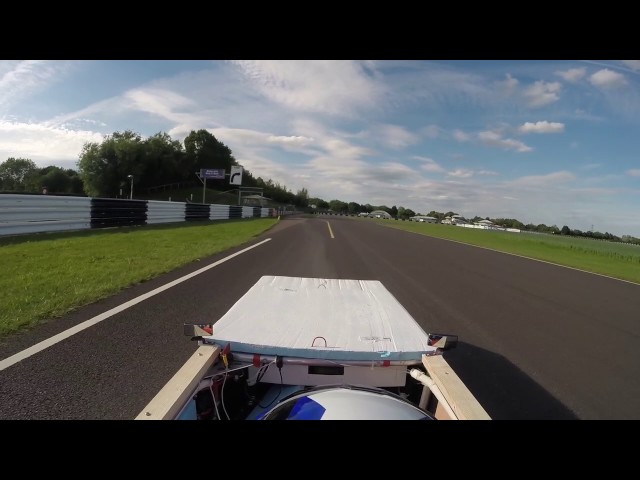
pixel 554 142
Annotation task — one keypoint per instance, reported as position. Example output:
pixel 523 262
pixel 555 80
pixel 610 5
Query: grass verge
pixel 48 275
pixel 617 260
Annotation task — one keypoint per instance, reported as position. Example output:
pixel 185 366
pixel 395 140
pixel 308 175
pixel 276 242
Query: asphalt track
pixel 537 341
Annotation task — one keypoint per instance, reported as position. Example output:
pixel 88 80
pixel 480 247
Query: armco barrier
pixel 219 212
pixel 38 213
pixel 24 214
pixel 116 212
pixel 165 212
pixel 247 212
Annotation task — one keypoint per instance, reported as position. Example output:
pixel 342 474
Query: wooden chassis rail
pixel 455 392
pixel 167 403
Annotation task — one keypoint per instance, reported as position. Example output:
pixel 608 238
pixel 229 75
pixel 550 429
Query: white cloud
pixel 20 79
pixel 242 138
pixel 542 93
pixel 508 85
pixel 43 144
pixel 290 140
pixel 544 180
pixel 461 173
pixel 160 102
pixel 634 172
pixel 495 139
pixel 461 136
pixel 606 78
pixel 334 87
pixel 572 75
pixel 487 172
pixel 429 165
pixel 432 131
pixel 632 64
pixel 395 136
pixel 541 127
pixel 393 171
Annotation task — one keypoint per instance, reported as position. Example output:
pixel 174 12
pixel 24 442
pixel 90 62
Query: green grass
pixel 608 258
pixel 48 275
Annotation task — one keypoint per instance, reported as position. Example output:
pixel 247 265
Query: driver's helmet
pixel 345 402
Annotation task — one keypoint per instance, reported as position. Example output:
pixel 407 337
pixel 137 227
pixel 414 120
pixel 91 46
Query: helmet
pixel 345 402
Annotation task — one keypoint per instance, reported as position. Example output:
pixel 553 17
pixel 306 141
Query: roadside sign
pixel 217 173
pixel 236 176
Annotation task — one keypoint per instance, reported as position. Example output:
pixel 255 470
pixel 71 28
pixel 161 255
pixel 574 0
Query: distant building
pixel 458 220
pixel 423 218
pixel 486 223
pixel 380 214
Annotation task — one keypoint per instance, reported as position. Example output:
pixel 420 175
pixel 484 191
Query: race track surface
pixel 537 341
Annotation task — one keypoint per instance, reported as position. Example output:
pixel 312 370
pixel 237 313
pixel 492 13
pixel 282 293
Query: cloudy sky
pixel 555 142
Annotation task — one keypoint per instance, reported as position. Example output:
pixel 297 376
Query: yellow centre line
pixel 330 231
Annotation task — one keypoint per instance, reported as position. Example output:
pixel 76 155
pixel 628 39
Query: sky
pixel 554 142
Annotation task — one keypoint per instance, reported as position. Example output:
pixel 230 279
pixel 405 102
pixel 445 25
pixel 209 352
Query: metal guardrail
pixel 26 214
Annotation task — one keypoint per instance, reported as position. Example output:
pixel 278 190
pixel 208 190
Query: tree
pixel 405 213
pixel 15 173
pixel 104 167
pixel 319 203
pixel 56 180
pixel 565 231
pixel 162 161
pixel 302 198
pixel 353 207
pixel 338 206
pixel 203 150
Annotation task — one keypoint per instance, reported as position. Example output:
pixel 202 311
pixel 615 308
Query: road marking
pixel 330 231
pixel 38 347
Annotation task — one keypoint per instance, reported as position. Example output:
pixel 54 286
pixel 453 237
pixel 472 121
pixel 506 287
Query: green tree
pixel 104 166
pixel 302 198
pixel 56 179
pixel 565 230
pixel 319 203
pixel 162 161
pixel 203 150
pixel 338 206
pixel 16 173
pixel 353 207
pixel 405 213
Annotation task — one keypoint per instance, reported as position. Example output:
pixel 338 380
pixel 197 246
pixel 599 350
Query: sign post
pixel 217 173
pixel 235 178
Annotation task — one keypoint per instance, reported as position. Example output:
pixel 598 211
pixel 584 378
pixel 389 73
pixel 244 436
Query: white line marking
pixel 521 256
pixel 330 231
pixel 38 347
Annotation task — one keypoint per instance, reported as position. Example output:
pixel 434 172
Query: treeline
pixel 22 175
pixel 104 168
pixel 354 208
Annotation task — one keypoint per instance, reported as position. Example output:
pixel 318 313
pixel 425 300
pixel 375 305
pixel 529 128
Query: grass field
pixel 47 275
pixel 617 260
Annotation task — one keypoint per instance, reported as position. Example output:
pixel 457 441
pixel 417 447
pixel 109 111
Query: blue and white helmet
pixel 345 403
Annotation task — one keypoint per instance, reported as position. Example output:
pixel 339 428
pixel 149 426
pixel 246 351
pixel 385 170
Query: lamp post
pixel 131 191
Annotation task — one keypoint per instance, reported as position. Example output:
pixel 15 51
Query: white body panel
pixel 333 319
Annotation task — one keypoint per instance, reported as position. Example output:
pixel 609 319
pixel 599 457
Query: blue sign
pixel 212 173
